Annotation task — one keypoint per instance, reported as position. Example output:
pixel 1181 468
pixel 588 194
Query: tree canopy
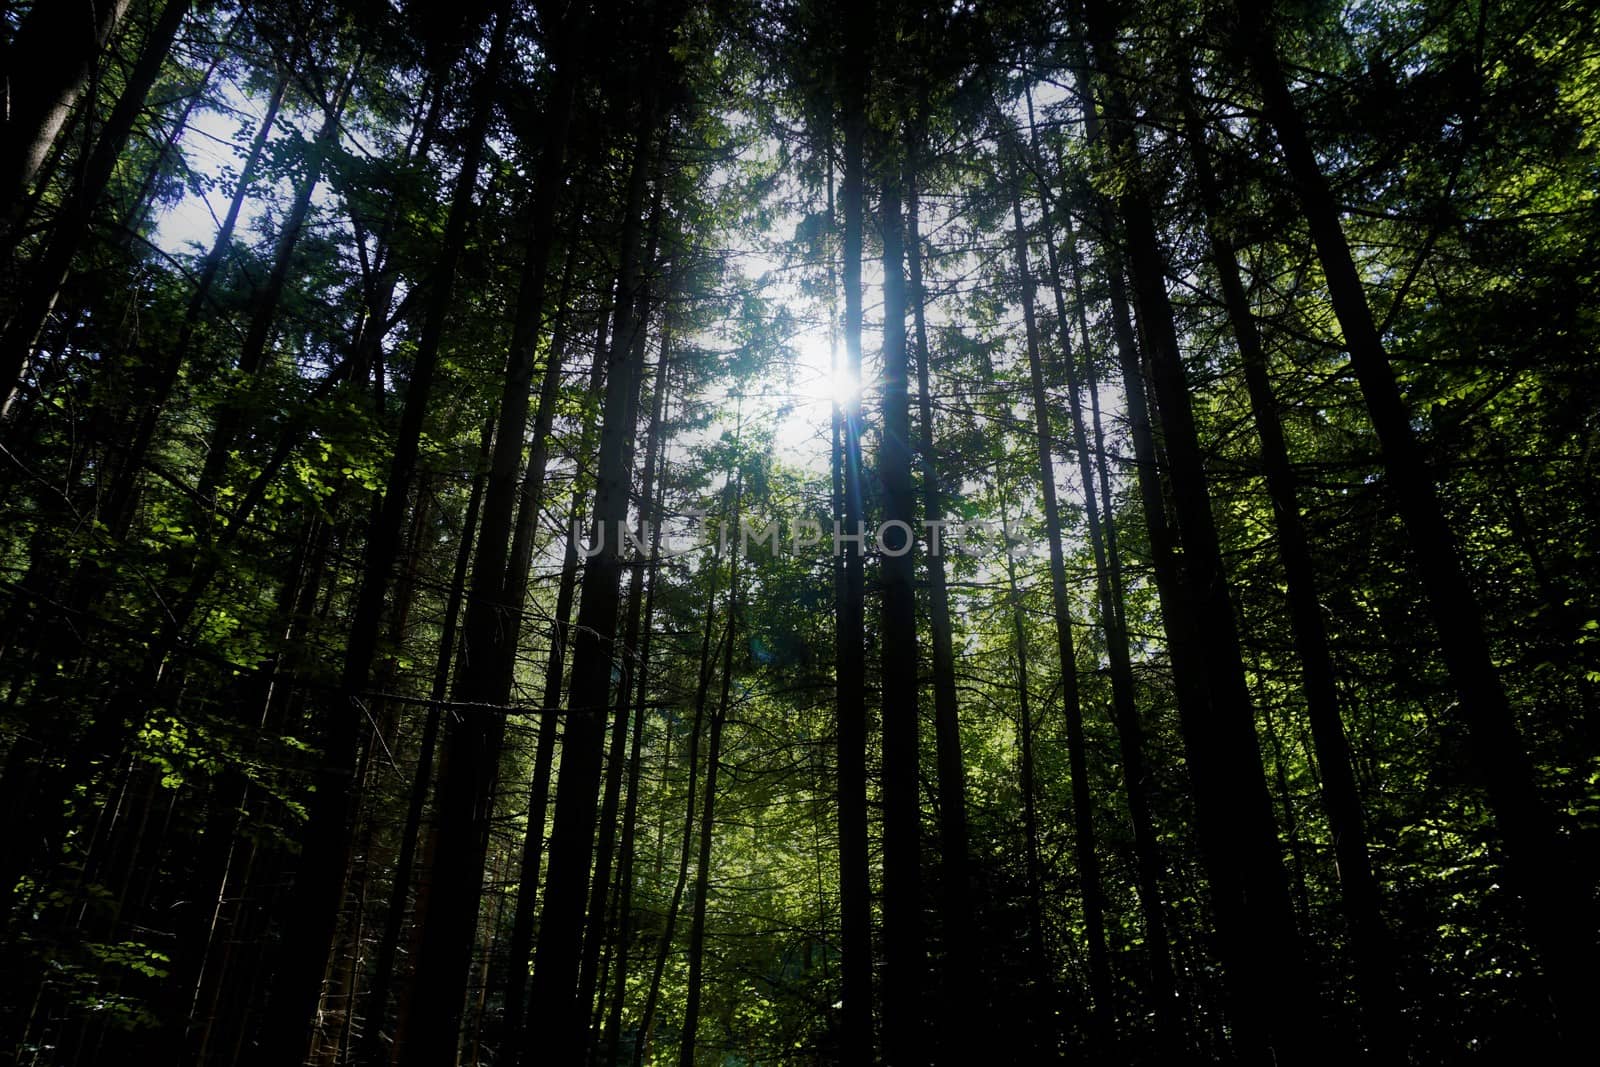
pixel 799 532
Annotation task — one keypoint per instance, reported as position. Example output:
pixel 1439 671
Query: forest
pixel 612 533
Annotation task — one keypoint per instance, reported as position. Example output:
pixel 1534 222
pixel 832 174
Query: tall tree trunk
pixel 471 754
pixel 596 929
pixel 855 906
pixel 1558 911
pixel 318 894
pixel 1100 981
pixel 628 711
pixel 48 66
pixel 903 1024
pixel 962 991
pixel 1362 898
pixel 651 512
pixel 512 976
pixel 1038 1042
pixel 1108 591
pixel 371 1052
pixel 49 273
pixel 557 956
pixel 525 914
pixel 687 841
pixel 1272 1000
pixel 689 1035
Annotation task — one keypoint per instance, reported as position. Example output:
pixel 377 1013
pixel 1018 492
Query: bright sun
pixel 816 378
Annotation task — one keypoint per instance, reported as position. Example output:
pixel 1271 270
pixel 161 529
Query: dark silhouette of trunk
pixel 597 928
pixel 48 66
pixel 1271 1003
pixel 962 992
pixel 572 837
pixel 855 906
pixel 650 511
pixel 627 719
pixel 903 1024
pixel 469 760
pixel 1108 592
pixel 371 1052
pixel 691 807
pixel 1558 911
pixel 1362 898
pixel 1037 1041
pixel 49 273
pixel 688 1038
pixel 318 894
pixel 1100 982
pixel 526 913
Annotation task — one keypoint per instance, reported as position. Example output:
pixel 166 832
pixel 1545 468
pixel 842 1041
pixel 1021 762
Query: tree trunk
pixel 686 849
pixel 526 912
pixel 702 873
pixel 596 929
pixel 1363 900
pixel 1108 591
pixel 651 512
pixel 371 1052
pixel 1558 913
pixel 1100 981
pixel 903 1024
pixel 1272 1001
pixel 471 754
pixel 318 894
pixel 557 956
pixel 48 67
pixel 855 906
pixel 49 273
pixel 963 992
pixel 1038 1042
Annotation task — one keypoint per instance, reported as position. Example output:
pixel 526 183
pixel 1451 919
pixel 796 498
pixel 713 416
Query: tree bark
pixel 855 908
pixel 49 273
pixel 1272 1001
pixel 48 66
pixel 1361 895
pixel 1108 592
pixel 1037 1041
pixel 471 753
pixel 1558 912
pixel 962 992
pixel 651 511
pixel 691 806
pixel 903 1024
pixel 1100 981
pixel 702 874
pixel 557 956
pixel 526 913
pixel 318 894
pixel 371 1052
pixel 596 931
